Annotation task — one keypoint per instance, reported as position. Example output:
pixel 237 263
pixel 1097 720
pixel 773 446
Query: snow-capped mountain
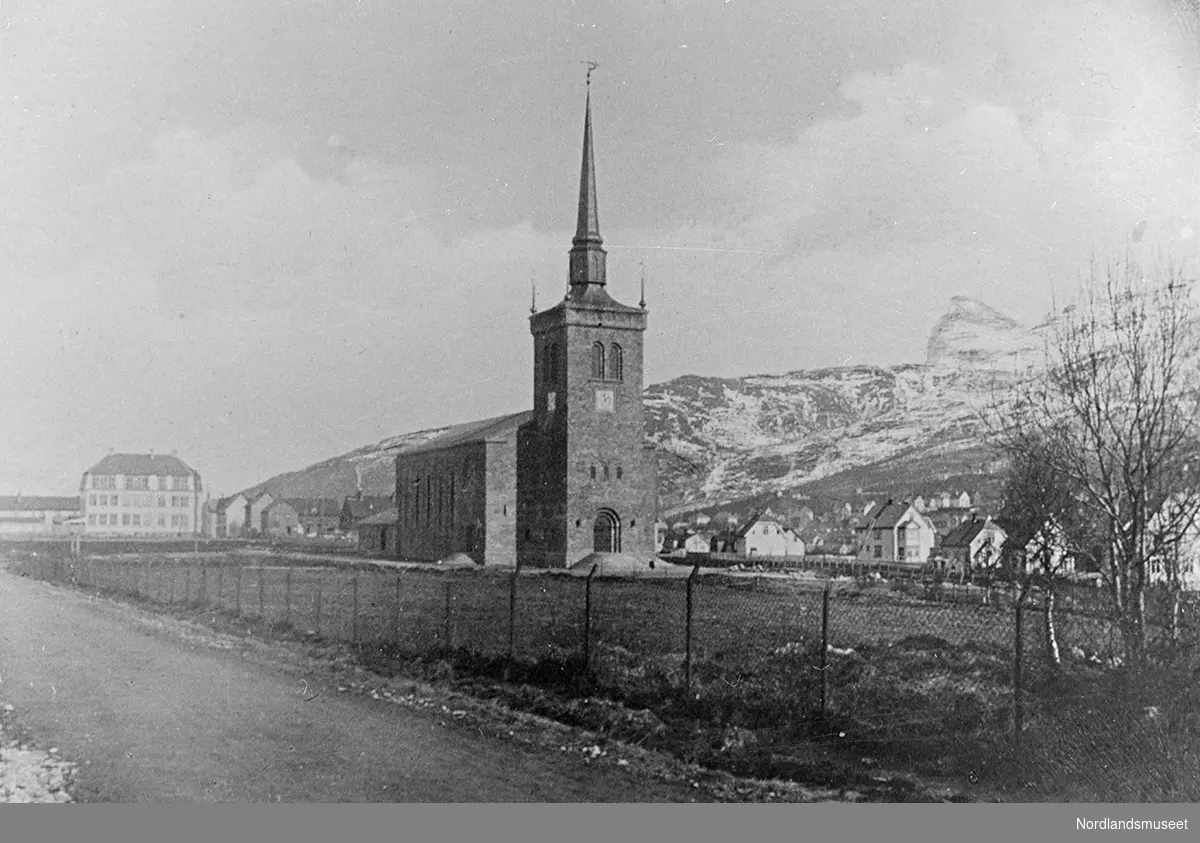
pixel 890 429
pixel 841 429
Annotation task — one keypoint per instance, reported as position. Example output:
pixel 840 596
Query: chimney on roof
pixel 151 453
pixel 174 452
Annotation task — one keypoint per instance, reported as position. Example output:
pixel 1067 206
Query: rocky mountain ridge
pixel 838 431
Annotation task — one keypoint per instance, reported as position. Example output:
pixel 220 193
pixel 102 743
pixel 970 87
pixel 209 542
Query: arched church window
pixel 616 363
pixel 598 361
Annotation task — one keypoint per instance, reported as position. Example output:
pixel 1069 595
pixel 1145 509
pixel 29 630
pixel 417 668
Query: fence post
pixel 237 593
pixel 449 632
pixel 261 591
pixel 512 614
pixel 287 596
pixel 220 586
pixel 354 612
pixel 825 649
pixel 1018 652
pixel 396 616
pixel 203 585
pixel 187 584
pixel 317 598
pixel 587 620
pixel 687 628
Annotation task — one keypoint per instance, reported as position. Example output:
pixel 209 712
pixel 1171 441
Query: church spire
pixel 587 227
pixel 587 254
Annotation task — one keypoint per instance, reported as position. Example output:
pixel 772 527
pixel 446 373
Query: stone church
pixel 573 477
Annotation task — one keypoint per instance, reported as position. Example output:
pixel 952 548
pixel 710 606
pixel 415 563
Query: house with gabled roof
pixel 358 506
pixel 1177 563
pixel 256 504
pixel 895 532
pixel 975 544
pixel 1037 551
pixel 317 516
pixel 699 542
pixel 230 516
pixel 765 534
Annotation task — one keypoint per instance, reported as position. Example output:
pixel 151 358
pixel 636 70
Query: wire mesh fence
pixel 952 680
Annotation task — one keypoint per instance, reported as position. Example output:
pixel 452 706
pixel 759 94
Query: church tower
pixel 586 479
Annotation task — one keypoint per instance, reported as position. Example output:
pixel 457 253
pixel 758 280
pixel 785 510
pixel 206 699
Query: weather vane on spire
pixel 591 65
pixel 642 303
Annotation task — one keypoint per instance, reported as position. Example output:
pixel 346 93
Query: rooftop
pixel 495 429
pixel 367 505
pixel 887 515
pixel 388 516
pixel 965 533
pixel 143 465
pixel 318 507
pixel 22 503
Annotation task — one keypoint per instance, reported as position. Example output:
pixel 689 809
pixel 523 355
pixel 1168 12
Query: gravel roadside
pixel 28 774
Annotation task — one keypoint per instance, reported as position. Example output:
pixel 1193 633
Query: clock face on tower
pixel 604 400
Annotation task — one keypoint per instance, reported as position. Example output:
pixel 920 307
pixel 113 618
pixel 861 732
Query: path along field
pixel 149 714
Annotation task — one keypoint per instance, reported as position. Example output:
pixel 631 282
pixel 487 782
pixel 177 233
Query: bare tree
pixel 1043 517
pixel 1114 416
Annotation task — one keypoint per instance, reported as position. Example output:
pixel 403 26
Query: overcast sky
pixel 265 233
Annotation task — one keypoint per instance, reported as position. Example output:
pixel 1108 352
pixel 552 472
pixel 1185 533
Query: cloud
pixel 849 240
pixel 216 283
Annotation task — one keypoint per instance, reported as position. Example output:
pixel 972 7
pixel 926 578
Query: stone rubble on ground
pixel 29 775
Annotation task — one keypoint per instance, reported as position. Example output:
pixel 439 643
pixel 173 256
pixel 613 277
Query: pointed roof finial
pixel 587 228
pixel 642 303
pixel 533 291
pixel 587 248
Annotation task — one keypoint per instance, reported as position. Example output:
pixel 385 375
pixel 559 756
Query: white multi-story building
pixel 141 495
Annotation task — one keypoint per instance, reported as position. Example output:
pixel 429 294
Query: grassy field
pixel 906 682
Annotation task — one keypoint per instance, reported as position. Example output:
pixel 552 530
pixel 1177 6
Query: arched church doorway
pixel 606 532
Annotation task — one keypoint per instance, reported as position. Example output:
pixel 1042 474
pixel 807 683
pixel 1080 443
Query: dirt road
pixel 152 715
